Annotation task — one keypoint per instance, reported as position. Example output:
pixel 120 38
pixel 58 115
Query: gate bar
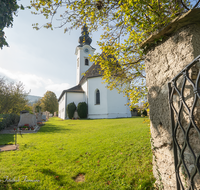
pixel 173 136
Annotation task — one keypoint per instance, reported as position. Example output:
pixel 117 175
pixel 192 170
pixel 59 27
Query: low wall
pixel 163 62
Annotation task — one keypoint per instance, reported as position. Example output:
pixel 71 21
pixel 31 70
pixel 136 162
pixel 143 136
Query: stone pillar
pixel 163 62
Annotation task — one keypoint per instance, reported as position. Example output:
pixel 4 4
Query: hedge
pixel 71 108
pixel 82 110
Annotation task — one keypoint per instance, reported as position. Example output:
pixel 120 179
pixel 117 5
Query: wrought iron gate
pixel 184 101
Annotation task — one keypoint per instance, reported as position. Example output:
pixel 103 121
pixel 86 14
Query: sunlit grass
pixel 111 153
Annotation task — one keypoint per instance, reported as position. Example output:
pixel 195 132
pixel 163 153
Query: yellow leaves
pixel 131 21
pixel 130 2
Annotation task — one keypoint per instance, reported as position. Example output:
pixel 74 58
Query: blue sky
pixel 42 60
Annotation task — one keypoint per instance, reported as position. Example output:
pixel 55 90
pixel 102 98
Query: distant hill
pixel 32 99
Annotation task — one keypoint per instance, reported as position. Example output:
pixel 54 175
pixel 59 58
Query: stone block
pixel 44 117
pixel 39 117
pixel 163 62
pixel 76 116
pixel 27 118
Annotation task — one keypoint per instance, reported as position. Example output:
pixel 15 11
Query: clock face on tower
pixel 86 50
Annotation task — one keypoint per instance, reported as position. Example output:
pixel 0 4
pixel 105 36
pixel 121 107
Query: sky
pixel 42 60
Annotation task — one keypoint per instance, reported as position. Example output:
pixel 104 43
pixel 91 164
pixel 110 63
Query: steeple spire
pixel 84 39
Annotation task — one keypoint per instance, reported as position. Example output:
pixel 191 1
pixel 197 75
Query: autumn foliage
pixel 125 23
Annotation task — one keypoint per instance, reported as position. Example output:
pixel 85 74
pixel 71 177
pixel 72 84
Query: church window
pixel 86 62
pixel 97 97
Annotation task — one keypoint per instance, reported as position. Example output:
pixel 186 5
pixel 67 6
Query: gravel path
pixel 8 147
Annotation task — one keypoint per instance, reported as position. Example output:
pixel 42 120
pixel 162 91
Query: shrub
pixel 139 112
pixel 14 118
pixel 9 119
pixel 71 108
pixel 82 110
pixel 144 112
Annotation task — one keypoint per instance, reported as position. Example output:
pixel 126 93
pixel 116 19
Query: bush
pixel 139 112
pixel 144 112
pixel 9 119
pixel 82 110
pixel 71 108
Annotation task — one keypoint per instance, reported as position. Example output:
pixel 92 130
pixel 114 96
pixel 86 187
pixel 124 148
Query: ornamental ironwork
pixel 184 101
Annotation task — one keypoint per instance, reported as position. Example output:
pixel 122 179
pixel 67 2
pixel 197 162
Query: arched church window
pixel 97 96
pixel 86 62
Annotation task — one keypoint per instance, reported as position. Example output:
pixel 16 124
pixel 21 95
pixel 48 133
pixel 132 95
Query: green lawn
pixel 110 153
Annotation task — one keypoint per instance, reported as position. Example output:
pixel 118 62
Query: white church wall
pixel 75 97
pixel 78 68
pixel 62 107
pixel 85 89
pixel 97 111
pixel 81 56
pixel 117 104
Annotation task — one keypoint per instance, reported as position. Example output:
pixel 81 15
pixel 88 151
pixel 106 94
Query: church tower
pixel 82 52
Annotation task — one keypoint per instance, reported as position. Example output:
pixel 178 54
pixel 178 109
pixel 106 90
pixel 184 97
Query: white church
pixel 102 102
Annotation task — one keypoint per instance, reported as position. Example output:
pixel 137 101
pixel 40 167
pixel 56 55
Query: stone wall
pixel 163 63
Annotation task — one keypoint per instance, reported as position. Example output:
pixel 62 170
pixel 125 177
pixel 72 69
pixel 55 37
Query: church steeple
pixel 84 39
pixel 83 50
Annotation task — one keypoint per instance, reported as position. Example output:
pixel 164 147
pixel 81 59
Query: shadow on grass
pixel 49 128
pixel 57 178
pixel 7 139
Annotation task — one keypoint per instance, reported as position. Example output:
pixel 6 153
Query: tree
pixel 49 102
pixel 12 97
pixel 7 9
pixel 29 108
pixel 37 106
pixel 126 23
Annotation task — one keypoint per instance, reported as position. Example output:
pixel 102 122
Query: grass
pixel 111 153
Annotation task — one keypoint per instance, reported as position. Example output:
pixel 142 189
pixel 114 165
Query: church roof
pixel 86 44
pixel 93 71
pixel 84 39
pixel 96 71
pixel 77 89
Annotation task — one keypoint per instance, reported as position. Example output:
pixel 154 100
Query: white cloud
pixel 38 85
pixel 29 80
pixel 57 87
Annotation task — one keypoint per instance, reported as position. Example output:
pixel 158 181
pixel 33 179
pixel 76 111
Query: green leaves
pixel 126 24
pixel 8 8
pixel 22 7
pixel 49 102
pixel 12 97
